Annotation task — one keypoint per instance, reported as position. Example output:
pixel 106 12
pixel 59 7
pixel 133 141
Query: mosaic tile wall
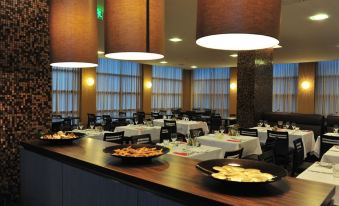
pixel 255 82
pixel 25 82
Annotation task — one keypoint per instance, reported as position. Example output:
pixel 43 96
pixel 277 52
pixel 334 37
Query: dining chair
pixel 267 156
pixel 299 165
pixel 282 151
pixel 248 132
pixel 236 154
pixel 165 133
pixel 196 132
pixel 91 118
pixel 122 114
pixel 326 142
pixel 141 139
pixel 67 124
pixel 155 115
pixel 215 123
pixel 172 125
pixel 115 137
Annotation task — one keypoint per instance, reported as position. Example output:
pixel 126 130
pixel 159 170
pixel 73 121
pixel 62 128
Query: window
pixel 65 91
pixel 118 87
pixel 211 89
pixel 327 88
pixel 167 88
pixel 285 87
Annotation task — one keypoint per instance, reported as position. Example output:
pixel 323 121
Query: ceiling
pixel 302 40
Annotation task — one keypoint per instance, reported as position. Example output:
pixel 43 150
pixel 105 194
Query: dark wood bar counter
pixel 82 174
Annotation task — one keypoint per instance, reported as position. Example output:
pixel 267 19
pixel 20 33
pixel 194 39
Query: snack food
pixel 239 174
pixel 137 152
pixel 60 135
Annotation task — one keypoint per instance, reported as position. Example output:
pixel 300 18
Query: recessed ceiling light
pixel 319 17
pixel 234 55
pixel 194 67
pixel 277 47
pixel 175 39
pixel 163 62
pixel 101 52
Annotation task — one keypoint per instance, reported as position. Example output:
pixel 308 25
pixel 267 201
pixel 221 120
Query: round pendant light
pixel 73 33
pixel 134 29
pixel 238 24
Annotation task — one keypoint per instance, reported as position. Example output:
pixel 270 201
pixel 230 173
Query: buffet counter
pixel 82 174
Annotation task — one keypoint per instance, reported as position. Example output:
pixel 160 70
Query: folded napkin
pixel 233 140
pixel 181 153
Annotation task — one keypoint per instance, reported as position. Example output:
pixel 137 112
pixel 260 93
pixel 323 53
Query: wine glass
pixel 91 125
pixel 287 125
pixel 260 123
pixel 222 129
pixel 266 124
pixel 81 126
pixel 280 124
pixel 187 138
pixel 294 125
pixel 174 137
pixel 335 128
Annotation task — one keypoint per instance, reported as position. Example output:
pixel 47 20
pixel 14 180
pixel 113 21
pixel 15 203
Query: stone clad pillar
pixel 255 81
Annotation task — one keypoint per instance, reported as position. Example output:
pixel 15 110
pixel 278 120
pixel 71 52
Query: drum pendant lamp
pixel 134 29
pixel 73 33
pixel 238 24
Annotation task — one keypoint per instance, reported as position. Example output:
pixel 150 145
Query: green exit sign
pixel 100 13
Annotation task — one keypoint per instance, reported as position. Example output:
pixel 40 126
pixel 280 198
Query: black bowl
pixel 78 135
pixel 135 159
pixel 207 168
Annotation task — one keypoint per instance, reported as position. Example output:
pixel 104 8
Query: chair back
pixel 172 124
pixel 326 142
pixel 267 156
pixel 122 114
pixel 215 123
pixel 162 112
pixel 196 132
pixel 91 118
pixel 236 154
pixel 141 139
pixel 56 116
pixel 165 133
pixel 270 141
pixel 156 115
pixel 116 137
pixel 248 132
pixel 281 142
pixel 298 156
pixel 67 124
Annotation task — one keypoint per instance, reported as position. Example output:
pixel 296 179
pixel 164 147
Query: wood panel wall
pixel 306 96
pixel 88 94
pixel 146 92
pixel 186 92
pixel 233 92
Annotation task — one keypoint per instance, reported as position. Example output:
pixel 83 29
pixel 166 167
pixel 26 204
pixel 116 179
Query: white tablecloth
pixel 131 130
pixel 331 156
pixel 184 127
pixel 317 143
pixel 306 136
pixel 200 153
pixel 251 145
pixel 321 174
pixel 92 133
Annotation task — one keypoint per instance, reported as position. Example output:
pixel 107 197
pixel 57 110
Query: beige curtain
pixel 211 88
pixel 285 87
pixel 118 87
pixel 66 91
pixel 166 88
pixel 327 88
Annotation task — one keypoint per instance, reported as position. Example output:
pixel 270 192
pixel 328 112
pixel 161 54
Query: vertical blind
pixel 65 91
pixel 118 87
pixel 327 88
pixel 211 89
pixel 166 88
pixel 285 87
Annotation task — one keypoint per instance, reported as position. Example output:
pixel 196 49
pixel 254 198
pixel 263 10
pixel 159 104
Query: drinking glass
pixel 335 128
pixel 91 125
pixel 222 129
pixel 260 123
pixel 173 137
pixel 280 124
pixel 266 124
pixel 81 126
pixel 187 138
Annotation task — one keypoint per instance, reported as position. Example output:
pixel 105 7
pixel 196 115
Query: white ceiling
pixel 302 40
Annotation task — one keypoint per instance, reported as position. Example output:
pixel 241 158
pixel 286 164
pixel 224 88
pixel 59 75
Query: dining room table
pixel 317 143
pixel 307 137
pixel 202 152
pixel 184 126
pixel 331 156
pixel 251 145
pixel 131 130
pixel 93 133
pixel 322 173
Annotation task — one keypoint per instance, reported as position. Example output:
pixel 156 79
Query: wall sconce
pixel 305 85
pixel 90 81
pixel 148 84
pixel 233 86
